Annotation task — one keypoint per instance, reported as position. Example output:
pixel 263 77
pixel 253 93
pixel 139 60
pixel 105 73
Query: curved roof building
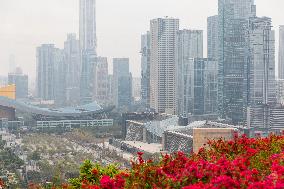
pixel 85 110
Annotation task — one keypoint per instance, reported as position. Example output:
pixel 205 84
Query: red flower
pixel 95 172
pixel 106 182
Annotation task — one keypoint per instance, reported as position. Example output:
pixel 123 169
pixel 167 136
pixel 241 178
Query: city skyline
pixel 20 35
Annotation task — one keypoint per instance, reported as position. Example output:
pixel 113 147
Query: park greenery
pixel 241 163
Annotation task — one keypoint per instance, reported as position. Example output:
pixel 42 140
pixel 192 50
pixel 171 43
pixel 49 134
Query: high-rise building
pixel 281 53
pixel 122 83
pixel 212 37
pixel 199 87
pixel 110 89
pixel 88 47
pixel 189 45
pixel 233 22
pixel 45 61
pixel 145 69
pixel 101 91
pixel 136 88
pixel 73 69
pixel 163 42
pixel 88 32
pixel 262 84
pixel 21 82
pixel 60 80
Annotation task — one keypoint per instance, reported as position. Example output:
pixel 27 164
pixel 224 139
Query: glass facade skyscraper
pixel 233 54
pixel 88 47
pixel 212 37
pixel 189 45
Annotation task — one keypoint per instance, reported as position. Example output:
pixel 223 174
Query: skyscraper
pixel 122 83
pixel 88 33
pixel 189 45
pixel 45 60
pixel 101 91
pixel 88 47
pixel 281 53
pixel 163 42
pixel 212 37
pixel 21 81
pixel 199 89
pixel 60 80
pixel 73 69
pixel 233 51
pixel 261 79
pixel 145 69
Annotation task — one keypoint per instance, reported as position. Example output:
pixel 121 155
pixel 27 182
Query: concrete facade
pixel 202 135
pixel 163 42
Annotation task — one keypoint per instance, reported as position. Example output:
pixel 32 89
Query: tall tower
pixel 212 37
pixel 189 46
pixel 88 32
pixel 45 76
pixel 73 69
pixel 163 42
pixel 122 83
pixel 262 84
pixel 145 69
pixel 88 46
pixel 233 51
pixel 281 53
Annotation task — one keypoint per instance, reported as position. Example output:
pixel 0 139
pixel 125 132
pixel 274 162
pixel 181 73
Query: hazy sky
pixel 25 24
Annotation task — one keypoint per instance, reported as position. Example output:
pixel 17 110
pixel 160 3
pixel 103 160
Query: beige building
pixel 201 136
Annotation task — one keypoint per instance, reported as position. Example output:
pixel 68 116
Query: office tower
pixel 281 53
pixel 12 63
pixel 262 88
pixel 199 87
pixel 145 69
pixel 212 37
pixel 122 83
pixel 45 61
pixel 262 83
pixel 189 45
pixel 233 51
pixel 88 33
pixel 73 69
pixel 110 89
pixel 101 94
pixel 280 91
pixel 21 81
pixel 88 48
pixel 60 72
pixel 163 42
pixel 136 88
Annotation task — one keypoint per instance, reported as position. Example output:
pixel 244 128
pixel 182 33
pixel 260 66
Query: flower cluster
pixel 241 163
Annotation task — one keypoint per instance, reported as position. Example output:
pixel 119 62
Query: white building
pixel 163 42
pixel 101 91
